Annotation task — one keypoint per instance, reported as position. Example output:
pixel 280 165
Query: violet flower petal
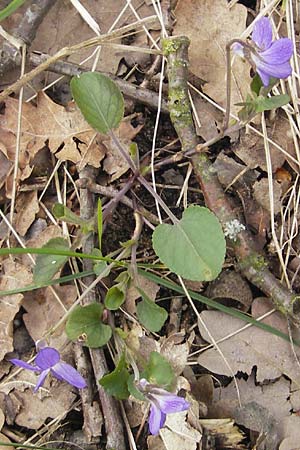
pixel 276 71
pixel 262 33
pixel 265 78
pixel 171 403
pixel 47 357
pixel 279 52
pixel 41 379
pixel 156 419
pixel 64 371
pixel 24 365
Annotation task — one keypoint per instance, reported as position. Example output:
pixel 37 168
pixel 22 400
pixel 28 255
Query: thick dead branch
pixel 252 264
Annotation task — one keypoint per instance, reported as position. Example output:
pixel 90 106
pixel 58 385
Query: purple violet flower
pixel 162 403
pixel 48 360
pixel 270 58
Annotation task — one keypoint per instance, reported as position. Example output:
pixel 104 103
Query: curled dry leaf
pixel 210 25
pixel 231 288
pixel 15 276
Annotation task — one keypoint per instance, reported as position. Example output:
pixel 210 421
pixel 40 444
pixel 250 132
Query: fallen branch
pixel 251 263
pixel 111 413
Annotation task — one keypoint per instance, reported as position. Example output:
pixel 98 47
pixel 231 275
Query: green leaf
pixel 85 322
pixel 150 314
pixel 195 247
pixel 46 266
pixel 256 84
pixel 99 99
pixel 268 103
pixel 133 389
pixel 115 383
pixel 114 298
pixel 158 370
pixel 10 8
pixel 63 213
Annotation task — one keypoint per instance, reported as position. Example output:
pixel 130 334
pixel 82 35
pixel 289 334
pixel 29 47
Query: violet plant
pixel 48 361
pixel 162 403
pixel 270 58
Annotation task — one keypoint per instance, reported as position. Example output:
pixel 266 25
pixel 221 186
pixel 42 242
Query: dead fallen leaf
pixel 210 25
pixel 251 151
pixel 132 294
pixel 210 118
pixel 290 433
pixel 275 397
pixel 176 354
pixel 231 289
pixel 27 206
pixel 43 311
pixel 114 163
pixel 15 276
pixel 271 355
pixel 223 431
pixel 262 196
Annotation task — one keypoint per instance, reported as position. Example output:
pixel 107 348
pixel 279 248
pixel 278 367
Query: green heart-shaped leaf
pixel 195 247
pixel 85 323
pixel 115 383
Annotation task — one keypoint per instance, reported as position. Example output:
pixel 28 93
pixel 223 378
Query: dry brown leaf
pixel 43 311
pixel 290 432
pixel 275 397
pixel 176 354
pixel 251 151
pixel 15 276
pixel 210 118
pixel 114 163
pixel 262 196
pixel 63 26
pixel 231 288
pixel 271 355
pixel 179 434
pixel 210 25
pixel 27 206
pixel 32 410
pixel 132 294
pixel 46 123
pixel 5 439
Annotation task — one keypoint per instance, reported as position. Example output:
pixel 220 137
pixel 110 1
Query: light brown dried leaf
pixel 27 206
pixel 114 163
pixel 132 294
pixel 271 355
pixel 15 276
pixel 210 25
pixel 43 311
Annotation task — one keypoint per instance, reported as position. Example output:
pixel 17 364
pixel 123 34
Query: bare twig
pixel 251 262
pixel 25 32
pixel 111 413
pixel 67 51
pixel 136 93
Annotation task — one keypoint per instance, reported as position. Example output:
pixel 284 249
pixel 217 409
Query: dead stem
pixel 252 264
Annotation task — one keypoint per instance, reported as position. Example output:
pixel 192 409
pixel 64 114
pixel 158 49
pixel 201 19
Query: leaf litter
pixel 267 364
